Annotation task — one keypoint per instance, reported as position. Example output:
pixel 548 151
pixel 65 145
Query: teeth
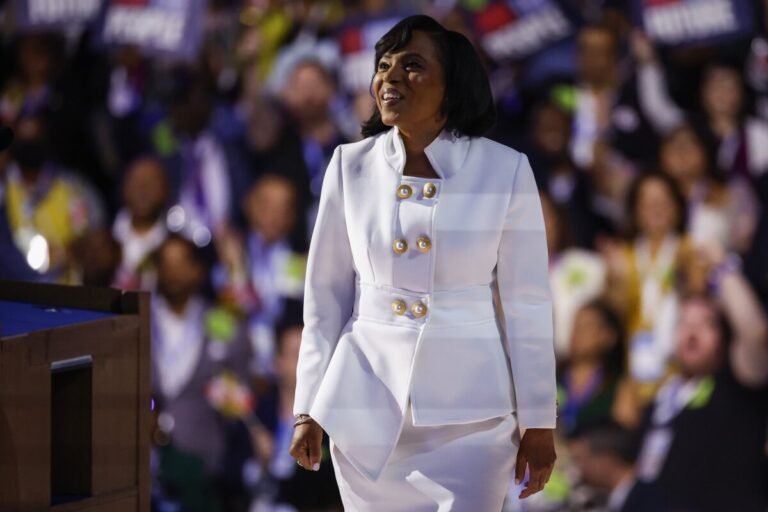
pixel 392 96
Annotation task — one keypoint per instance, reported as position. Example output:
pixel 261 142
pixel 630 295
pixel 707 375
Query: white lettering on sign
pixel 145 26
pixel 528 35
pixel 53 11
pixel 674 23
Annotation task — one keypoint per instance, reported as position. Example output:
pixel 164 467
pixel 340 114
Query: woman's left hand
pixel 537 452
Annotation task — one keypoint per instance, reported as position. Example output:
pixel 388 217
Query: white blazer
pixel 459 317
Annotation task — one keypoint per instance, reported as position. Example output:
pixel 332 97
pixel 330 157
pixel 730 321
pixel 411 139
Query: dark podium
pixel 74 399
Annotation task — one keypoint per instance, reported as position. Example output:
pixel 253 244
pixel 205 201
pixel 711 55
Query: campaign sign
pixel 516 29
pixel 356 42
pixel 55 13
pixel 170 27
pixel 681 22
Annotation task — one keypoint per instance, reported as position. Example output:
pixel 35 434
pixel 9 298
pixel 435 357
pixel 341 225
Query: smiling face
pixel 409 85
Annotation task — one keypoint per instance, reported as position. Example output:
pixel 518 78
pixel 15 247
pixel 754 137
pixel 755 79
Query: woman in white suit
pixel 427 346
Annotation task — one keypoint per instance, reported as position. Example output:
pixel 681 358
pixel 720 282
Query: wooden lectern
pixel 74 399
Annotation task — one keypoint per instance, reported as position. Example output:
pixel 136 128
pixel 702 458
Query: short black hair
pixel 468 103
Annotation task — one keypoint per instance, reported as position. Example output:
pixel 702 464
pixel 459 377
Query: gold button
pixel 398 306
pixel 419 309
pixel 404 191
pixel 400 246
pixel 423 244
pixel 430 189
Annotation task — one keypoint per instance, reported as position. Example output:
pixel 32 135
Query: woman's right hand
pixel 306 445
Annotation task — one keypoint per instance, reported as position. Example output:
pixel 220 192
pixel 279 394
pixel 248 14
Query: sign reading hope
pixel 518 29
pixel 172 27
pixel 676 22
pixel 38 13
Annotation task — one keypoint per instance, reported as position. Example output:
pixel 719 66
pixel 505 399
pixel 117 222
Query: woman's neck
pixel 415 141
pixel 416 161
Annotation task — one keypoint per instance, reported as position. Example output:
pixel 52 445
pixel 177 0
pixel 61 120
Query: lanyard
pixel 677 394
pixel 653 273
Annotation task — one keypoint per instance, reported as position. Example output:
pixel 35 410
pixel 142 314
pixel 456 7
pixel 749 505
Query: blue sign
pixel 55 13
pixel 171 28
pixel 516 29
pixel 683 22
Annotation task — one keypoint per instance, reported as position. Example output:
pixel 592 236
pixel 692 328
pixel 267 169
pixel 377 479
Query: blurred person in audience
pixel 47 206
pixel 96 257
pixel 642 273
pixel 259 139
pixel 13 264
pixel 756 259
pixel 258 274
pixel 29 90
pixel 718 213
pixel 610 176
pixel 588 379
pixel 126 92
pixel 550 134
pixel 606 106
pixel 703 436
pixel 281 480
pixel 605 462
pixel 724 120
pixel 199 364
pixel 307 95
pixel 577 276
pixel 140 225
pixel 198 171
pixel 567 185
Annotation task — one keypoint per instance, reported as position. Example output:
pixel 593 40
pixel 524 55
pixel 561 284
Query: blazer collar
pixel 446 152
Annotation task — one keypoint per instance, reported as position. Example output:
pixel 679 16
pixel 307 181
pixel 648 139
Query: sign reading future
pixel 676 22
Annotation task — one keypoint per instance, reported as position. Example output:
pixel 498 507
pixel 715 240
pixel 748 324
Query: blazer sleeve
pixel 522 274
pixel 329 288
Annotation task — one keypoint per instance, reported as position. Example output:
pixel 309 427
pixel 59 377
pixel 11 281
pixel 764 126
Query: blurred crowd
pixel 198 180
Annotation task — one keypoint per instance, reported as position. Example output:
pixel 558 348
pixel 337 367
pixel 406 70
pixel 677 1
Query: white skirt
pixel 443 468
